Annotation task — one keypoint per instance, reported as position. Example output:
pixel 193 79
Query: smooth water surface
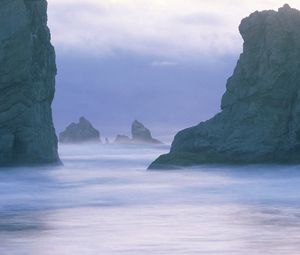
pixel 104 202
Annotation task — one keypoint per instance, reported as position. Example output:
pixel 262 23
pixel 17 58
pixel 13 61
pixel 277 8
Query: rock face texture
pixel 260 118
pixel 27 84
pixel 81 132
pixel 141 134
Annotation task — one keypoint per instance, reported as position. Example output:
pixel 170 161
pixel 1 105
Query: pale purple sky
pixel 164 62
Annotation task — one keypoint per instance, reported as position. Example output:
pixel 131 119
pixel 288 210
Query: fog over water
pixel 103 201
pixel 163 64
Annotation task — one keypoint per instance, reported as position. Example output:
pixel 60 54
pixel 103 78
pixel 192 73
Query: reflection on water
pixel 103 201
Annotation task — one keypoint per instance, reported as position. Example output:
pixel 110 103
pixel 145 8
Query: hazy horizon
pixel 165 65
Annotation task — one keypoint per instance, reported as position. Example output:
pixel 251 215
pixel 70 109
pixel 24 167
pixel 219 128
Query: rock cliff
pixel 81 132
pixel 27 84
pixel 260 117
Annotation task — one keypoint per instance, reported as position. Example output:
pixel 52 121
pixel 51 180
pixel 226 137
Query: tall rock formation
pixel 27 84
pixel 260 118
pixel 81 132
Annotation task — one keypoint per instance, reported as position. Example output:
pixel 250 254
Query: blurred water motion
pixel 103 201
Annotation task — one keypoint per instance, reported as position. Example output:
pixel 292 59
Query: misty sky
pixel 163 62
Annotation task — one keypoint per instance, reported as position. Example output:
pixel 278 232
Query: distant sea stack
pixel 27 84
pixel 81 132
pixel 260 118
pixel 140 135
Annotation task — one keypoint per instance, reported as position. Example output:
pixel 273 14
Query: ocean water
pixel 104 202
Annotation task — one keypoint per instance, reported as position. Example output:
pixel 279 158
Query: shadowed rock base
pixel 185 159
pixel 260 118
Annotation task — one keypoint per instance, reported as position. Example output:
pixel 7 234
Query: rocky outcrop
pixel 141 134
pixel 82 132
pixel 123 139
pixel 27 84
pixel 260 118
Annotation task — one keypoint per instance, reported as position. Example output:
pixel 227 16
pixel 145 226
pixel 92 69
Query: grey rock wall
pixel 260 117
pixel 27 84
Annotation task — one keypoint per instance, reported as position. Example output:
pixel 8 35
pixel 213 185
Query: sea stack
pixel 141 134
pixel 27 84
pixel 81 132
pixel 260 117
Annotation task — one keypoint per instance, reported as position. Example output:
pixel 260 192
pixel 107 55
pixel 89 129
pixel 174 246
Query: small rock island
pixel 140 135
pixel 81 132
pixel 260 117
pixel 27 85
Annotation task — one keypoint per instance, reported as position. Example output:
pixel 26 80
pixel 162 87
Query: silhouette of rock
pixel 141 134
pixel 27 84
pixel 260 118
pixel 81 132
